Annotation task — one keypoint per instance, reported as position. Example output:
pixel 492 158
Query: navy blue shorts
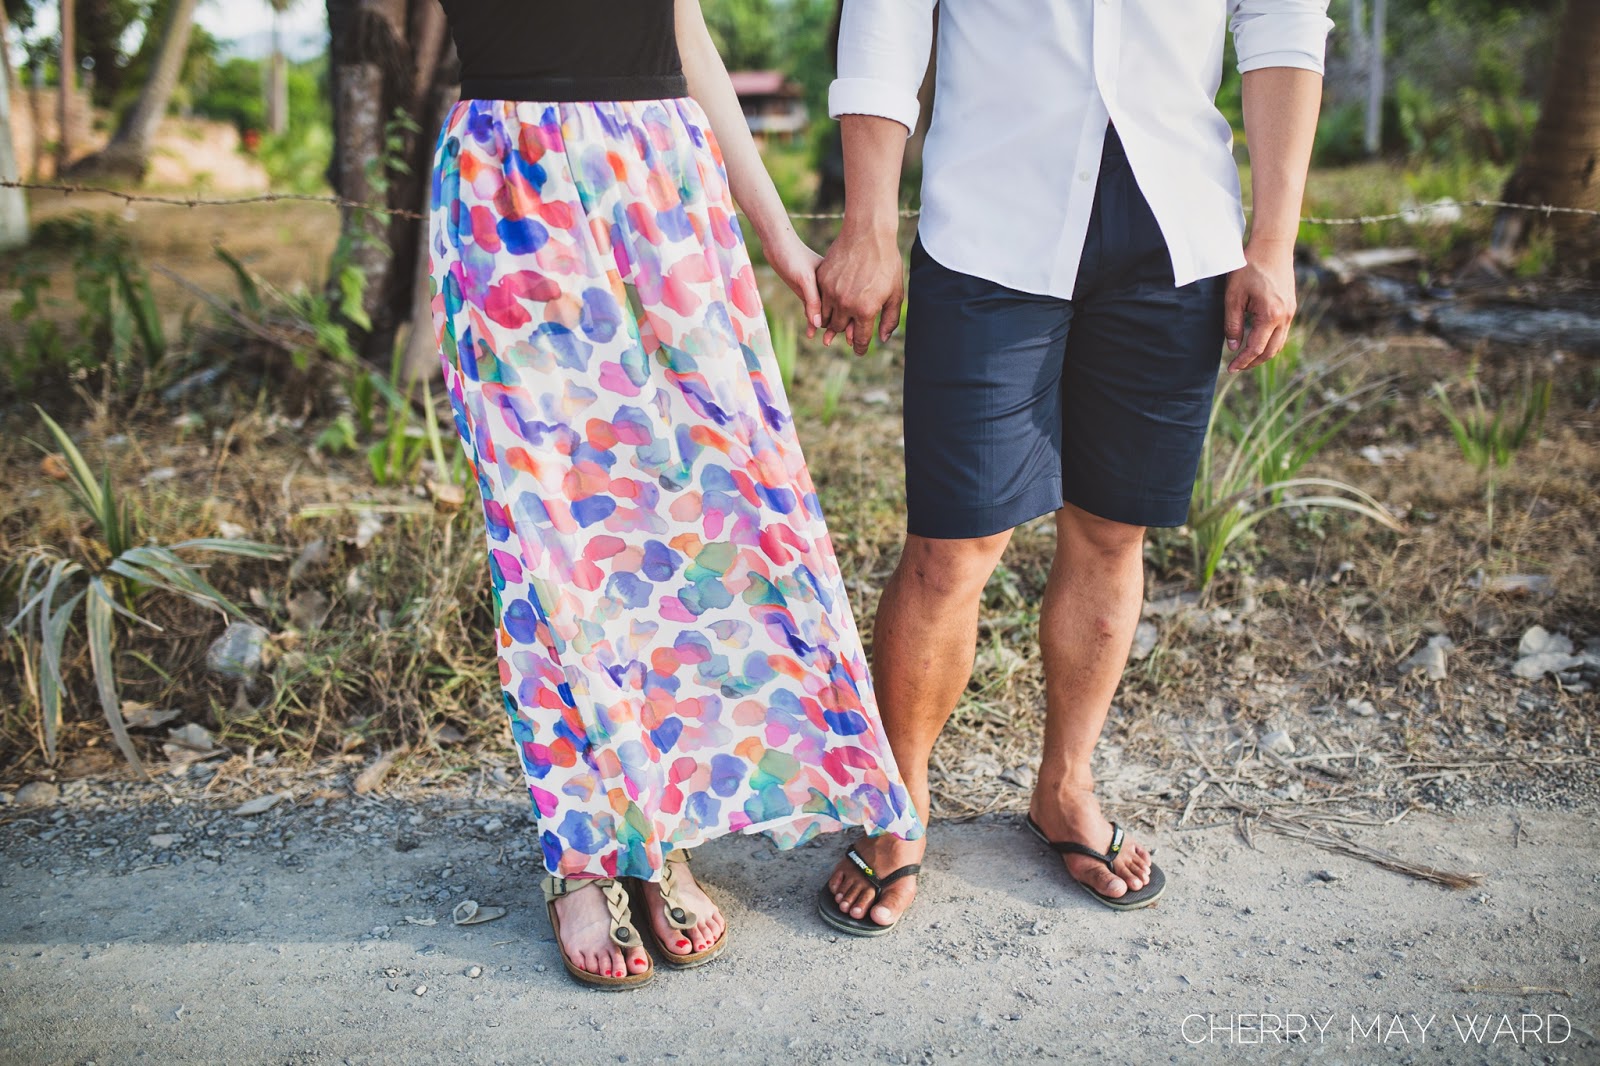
pixel 1016 402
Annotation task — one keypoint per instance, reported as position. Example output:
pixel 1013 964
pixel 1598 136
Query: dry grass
pixel 1320 611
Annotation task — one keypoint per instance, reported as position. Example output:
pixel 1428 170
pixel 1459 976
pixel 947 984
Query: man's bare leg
pixel 1091 608
pixel 923 644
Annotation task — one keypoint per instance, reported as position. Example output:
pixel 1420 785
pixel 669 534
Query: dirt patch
pixel 137 924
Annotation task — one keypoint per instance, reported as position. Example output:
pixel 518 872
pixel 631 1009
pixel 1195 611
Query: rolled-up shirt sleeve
pixel 1280 33
pixel 883 55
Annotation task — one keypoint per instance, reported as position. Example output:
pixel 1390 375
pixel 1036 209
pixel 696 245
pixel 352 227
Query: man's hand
pixel 861 287
pixel 1261 291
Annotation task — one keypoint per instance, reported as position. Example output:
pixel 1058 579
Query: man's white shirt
pixel 1024 91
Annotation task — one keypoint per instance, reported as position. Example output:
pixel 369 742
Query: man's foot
pixel 684 941
pixel 1073 814
pixel 885 854
pixel 586 936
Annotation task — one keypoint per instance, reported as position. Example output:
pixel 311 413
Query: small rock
pixel 493 825
pixel 474 972
pixel 37 794
pixel 875 397
pixel 420 990
pixel 194 737
pixel 1170 605
pixel 163 840
pixel 1144 640
pixel 1531 667
pixel 238 653
pixel 1430 659
pixel 1276 741
pixel 1327 876
pixel 1360 708
pixel 368 526
pixel 308 610
pixel 1540 641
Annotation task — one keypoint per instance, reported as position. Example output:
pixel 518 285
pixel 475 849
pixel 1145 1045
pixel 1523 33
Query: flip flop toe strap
pixel 1069 847
pixel 880 884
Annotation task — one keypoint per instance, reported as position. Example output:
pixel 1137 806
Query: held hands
pixel 796 264
pixel 861 287
pixel 1263 291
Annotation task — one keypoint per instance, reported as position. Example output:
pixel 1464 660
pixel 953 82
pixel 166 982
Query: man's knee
pixel 1100 535
pixel 951 568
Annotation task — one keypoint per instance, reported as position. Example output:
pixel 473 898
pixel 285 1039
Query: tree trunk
pixel 1372 139
pixel 277 80
pixel 1562 164
pixel 128 155
pixel 13 203
pixel 386 57
pixel 68 77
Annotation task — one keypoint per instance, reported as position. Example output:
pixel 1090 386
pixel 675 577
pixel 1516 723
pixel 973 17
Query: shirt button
pixel 1083 175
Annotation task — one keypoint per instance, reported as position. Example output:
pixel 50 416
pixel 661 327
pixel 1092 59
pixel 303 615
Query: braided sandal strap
pixel 623 934
pixel 678 916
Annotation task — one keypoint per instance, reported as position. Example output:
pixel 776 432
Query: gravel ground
pixel 172 931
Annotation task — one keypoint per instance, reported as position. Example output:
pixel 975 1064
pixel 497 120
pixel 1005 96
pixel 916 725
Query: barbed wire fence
pixel 1419 214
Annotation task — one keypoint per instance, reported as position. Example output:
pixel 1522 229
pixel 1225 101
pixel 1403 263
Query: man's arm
pixel 860 280
pixel 1280 45
pixel 883 54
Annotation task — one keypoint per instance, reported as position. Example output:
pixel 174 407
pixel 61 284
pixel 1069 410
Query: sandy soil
pixel 284 938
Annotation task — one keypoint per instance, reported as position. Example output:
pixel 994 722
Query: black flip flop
pixel 1128 901
pixel 828 908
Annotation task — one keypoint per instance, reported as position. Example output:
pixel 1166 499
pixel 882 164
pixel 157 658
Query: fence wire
pixel 1421 213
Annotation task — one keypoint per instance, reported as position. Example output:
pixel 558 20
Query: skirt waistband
pixel 575 90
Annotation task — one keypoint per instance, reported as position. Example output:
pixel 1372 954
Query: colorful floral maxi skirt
pixel 677 652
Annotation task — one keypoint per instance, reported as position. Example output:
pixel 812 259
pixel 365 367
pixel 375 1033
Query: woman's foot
pixel 885 854
pixel 585 933
pixel 1073 814
pixel 691 897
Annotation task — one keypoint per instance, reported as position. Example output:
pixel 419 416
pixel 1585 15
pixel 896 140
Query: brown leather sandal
pixel 623 933
pixel 681 918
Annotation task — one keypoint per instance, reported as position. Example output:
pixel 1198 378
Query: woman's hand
pixel 797 265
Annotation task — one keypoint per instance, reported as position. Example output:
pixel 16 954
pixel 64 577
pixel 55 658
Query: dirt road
pixel 187 935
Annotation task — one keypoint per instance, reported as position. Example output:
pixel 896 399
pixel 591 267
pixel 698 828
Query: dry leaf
pixel 54 466
pixel 468 912
pixel 262 804
pixel 370 779
pixel 144 716
pixel 447 497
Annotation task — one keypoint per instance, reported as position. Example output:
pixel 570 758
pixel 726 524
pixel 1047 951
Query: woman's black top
pixel 564 50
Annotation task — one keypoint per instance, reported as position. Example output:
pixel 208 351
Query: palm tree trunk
pixel 68 77
pixel 277 78
pixel 1562 164
pixel 387 57
pixel 13 203
pixel 128 154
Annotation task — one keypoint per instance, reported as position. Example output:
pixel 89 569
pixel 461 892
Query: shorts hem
pixel 1132 510
pixel 970 523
